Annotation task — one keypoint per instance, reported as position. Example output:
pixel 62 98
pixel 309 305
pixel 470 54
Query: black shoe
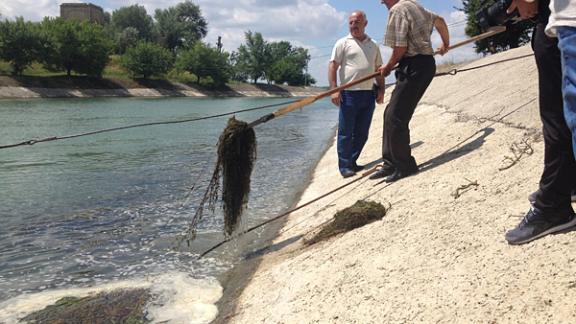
pixel 399 174
pixel 358 168
pixel 536 225
pixel 347 173
pixel 384 172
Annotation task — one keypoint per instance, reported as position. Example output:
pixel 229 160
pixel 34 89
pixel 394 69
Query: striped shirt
pixel 410 25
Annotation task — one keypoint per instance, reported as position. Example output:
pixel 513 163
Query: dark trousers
pixel 559 175
pixel 413 77
pixel 356 112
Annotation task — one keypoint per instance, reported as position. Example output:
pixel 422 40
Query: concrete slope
pixel 434 258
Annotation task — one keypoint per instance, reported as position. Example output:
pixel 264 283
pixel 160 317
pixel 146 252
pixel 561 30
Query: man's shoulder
pixel 405 6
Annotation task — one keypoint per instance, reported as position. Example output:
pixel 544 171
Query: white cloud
pixel 33 10
pixel 313 24
pixel 456 21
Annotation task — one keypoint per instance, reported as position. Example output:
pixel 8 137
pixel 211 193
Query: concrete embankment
pixel 10 89
pixel 439 255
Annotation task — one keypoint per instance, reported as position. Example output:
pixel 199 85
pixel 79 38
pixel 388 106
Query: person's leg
pixel 416 75
pixel 551 210
pixel 366 106
pixel 567 45
pixel 413 77
pixel 346 123
pixel 557 178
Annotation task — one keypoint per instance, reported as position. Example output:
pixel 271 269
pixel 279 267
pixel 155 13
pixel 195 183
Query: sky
pixel 312 24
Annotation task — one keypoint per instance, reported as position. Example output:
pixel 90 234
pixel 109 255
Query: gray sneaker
pixel 532 197
pixel 536 225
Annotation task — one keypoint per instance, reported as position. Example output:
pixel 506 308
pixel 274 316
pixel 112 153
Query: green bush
pixel 20 43
pixel 76 46
pixel 205 61
pixel 147 59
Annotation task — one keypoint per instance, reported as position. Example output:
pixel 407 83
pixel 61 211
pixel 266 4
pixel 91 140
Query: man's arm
pixel 397 54
pixel 333 80
pixel 442 29
pixel 526 8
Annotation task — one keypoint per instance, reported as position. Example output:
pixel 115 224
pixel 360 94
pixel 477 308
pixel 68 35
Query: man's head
pixel 357 24
pixel 389 3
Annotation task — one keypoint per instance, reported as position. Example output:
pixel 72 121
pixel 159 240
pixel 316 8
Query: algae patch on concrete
pixel 120 306
pixel 357 215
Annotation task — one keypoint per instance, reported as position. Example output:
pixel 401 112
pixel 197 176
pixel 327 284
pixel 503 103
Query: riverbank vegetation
pixel 131 44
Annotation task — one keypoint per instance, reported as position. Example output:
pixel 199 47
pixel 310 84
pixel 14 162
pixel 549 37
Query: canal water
pixel 109 210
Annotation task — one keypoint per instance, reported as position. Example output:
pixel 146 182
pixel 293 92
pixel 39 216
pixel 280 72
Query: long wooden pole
pixel 309 100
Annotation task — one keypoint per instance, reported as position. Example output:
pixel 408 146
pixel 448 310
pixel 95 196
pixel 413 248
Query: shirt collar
pixel 364 41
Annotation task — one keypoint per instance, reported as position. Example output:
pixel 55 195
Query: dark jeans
pixel 356 112
pixel 559 175
pixel 413 76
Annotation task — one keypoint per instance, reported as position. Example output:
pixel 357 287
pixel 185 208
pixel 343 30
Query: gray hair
pixel 359 12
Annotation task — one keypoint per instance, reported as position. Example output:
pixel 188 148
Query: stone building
pixel 82 12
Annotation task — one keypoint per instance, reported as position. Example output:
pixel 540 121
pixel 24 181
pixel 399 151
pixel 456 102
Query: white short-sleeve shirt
pixel 563 14
pixel 356 59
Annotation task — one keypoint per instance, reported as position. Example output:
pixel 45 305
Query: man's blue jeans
pixel 567 45
pixel 356 112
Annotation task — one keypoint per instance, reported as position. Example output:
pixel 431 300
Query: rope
pixel 365 174
pixel 57 138
pixel 456 71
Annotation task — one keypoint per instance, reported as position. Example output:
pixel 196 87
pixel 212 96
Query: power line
pixel 57 138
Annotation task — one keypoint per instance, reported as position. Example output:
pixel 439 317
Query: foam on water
pixel 177 298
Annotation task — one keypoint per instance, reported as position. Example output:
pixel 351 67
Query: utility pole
pixel 306 75
pixel 219 44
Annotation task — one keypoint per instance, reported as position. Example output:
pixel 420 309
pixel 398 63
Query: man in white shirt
pixel 354 57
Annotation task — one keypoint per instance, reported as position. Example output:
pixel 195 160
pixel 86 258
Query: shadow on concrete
pixel 272 248
pixel 457 150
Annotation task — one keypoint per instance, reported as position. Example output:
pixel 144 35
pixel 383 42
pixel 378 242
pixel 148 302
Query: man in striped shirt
pixel 408 34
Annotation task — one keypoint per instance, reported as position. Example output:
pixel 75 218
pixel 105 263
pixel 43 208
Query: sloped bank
pixel 439 254
pixel 84 87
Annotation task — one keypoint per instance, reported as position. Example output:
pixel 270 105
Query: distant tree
pixel 180 26
pixel 107 18
pixel 127 38
pixel 76 46
pixel 237 73
pixel 254 57
pixel 20 43
pixel 147 59
pixel 288 64
pixel 205 61
pixel 133 16
pixel 516 34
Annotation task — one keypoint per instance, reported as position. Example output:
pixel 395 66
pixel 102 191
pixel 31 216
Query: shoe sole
pixel 551 230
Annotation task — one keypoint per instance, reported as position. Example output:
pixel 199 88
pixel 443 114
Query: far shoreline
pixel 84 87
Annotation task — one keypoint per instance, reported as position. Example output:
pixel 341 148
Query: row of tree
pixel 149 47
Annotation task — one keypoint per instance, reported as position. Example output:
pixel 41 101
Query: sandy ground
pixel 433 258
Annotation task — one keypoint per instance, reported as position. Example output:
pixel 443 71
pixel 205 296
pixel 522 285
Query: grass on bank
pixel 114 76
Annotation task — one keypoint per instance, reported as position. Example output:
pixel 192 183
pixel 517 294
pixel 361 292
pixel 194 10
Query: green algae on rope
pixel 236 156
